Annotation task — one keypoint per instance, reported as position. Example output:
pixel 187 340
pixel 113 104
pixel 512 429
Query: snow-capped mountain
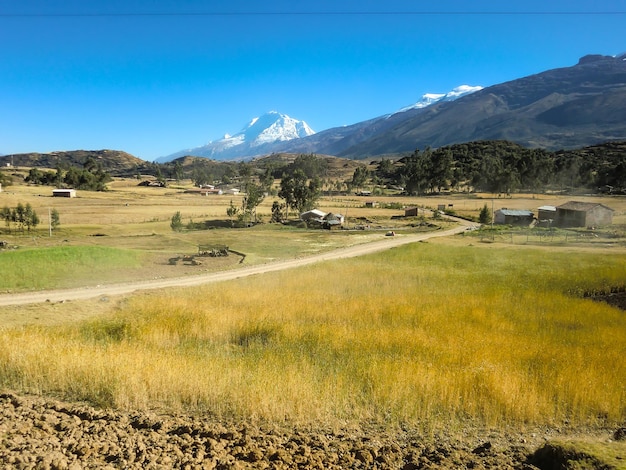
pixel 429 99
pixel 267 129
pixel 276 132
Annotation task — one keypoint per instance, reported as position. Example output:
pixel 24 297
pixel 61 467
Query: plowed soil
pixel 41 433
pixel 48 434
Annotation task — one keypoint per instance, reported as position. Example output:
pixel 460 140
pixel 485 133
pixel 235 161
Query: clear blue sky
pixel 152 77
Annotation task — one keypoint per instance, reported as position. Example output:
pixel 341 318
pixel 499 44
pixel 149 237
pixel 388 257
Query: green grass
pixel 39 268
pixel 423 334
pixel 581 454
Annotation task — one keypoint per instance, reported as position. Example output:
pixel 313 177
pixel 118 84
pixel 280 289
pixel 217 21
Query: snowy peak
pixel 429 99
pixel 269 128
pixel 274 127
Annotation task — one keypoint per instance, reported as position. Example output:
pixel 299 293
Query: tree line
pixel 506 167
pixel 91 177
pixel 22 216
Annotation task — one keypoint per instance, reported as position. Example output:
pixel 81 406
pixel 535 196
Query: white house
pixel 64 193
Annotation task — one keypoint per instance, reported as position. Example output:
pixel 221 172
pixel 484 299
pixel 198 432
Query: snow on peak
pixel 432 98
pixel 275 127
pixel 266 129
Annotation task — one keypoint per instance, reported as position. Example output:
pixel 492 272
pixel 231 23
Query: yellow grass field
pixel 431 334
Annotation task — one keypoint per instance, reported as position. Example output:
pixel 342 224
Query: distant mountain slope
pixel 337 140
pixel 113 161
pixel 561 108
pixel 252 140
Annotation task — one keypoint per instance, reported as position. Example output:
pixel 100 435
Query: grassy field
pixel 432 334
pixel 416 335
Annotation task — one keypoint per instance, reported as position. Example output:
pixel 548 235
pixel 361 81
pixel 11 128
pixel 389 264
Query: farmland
pixel 444 338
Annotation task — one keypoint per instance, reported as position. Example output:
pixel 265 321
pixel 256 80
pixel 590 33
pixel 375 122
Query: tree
pixel 485 215
pixel 415 172
pixel 7 214
pixel 31 219
pixel 286 192
pixel 18 215
pixel 385 167
pixel 178 170
pixel 311 165
pixel 298 192
pixel 177 222
pixel 277 211
pixel 55 219
pixel 359 177
pixel 231 212
pixel 200 177
pixel 253 197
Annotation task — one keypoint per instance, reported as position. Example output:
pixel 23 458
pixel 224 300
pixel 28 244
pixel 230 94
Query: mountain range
pixel 270 132
pixel 569 107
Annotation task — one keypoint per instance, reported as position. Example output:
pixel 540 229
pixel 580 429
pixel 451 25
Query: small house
pixel 583 214
pixel 546 216
pixel 314 215
pixel 513 217
pixel 333 221
pixel 63 193
pixel 411 212
pixel 203 191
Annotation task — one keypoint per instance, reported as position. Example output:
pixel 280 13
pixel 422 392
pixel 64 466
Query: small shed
pixel 583 214
pixel 546 215
pixel 64 193
pixel 513 217
pixel 411 212
pixel 333 221
pixel 313 215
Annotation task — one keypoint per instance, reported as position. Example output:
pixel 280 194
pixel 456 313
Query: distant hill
pixel 115 162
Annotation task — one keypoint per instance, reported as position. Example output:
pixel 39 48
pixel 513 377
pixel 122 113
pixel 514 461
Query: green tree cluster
pixel 176 223
pixel 484 217
pixel 91 177
pixel 22 216
pixel 299 192
pixel 505 167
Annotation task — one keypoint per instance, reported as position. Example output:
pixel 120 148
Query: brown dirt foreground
pixel 39 433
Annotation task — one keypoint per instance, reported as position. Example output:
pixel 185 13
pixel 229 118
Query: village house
pixel 313 215
pixel 64 193
pixel 546 215
pixel 321 218
pixel 513 217
pixel 583 214
pixel 204 191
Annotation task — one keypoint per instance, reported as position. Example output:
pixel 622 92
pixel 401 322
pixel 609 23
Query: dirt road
pixel 187 281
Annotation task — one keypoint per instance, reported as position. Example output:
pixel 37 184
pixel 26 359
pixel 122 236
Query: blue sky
pixel 152 77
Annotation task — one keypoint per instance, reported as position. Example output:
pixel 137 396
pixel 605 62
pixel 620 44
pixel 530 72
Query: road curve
pixel 83 293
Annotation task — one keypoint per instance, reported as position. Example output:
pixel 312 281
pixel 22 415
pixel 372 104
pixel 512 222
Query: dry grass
pixel 420 335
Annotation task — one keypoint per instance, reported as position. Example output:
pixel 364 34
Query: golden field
pixel 431 334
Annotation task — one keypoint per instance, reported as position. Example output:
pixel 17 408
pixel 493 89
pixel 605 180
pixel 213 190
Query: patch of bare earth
pixel 49 434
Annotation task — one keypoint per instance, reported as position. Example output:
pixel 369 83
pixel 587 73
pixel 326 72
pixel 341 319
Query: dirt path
pixel 127 288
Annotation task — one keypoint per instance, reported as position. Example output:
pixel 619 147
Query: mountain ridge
pixel 567 107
